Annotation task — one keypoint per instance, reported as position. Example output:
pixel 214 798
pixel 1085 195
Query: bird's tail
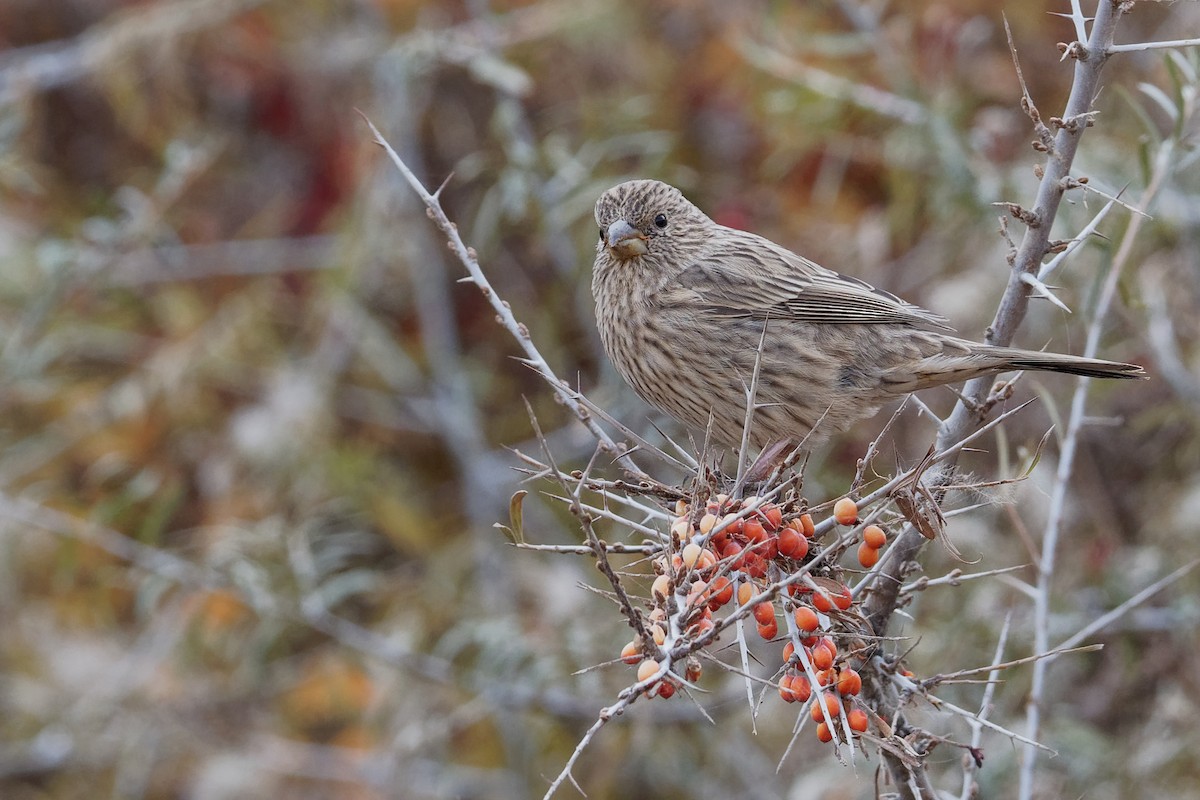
pixel 1071 365
pixel 981 360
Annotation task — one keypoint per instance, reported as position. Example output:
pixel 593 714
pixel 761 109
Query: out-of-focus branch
pixel 42 67
pixel 533 357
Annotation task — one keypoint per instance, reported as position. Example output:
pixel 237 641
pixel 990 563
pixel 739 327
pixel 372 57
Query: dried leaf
pixel 515 530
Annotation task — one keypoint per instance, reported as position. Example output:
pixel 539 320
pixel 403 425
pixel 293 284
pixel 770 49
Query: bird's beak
pixel 625 240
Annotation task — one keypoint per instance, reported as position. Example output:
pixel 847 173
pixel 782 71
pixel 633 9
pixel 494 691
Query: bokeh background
pixel 254 436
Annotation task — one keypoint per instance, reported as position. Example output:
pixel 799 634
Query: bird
pixel 687 309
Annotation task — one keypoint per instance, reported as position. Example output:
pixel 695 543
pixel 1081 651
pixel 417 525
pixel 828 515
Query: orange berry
pixel 801 687
pixel 806 619
pixel 754 530
pixel 647 669
pixel 785 689
pixel 661 586
pixel 821 601
pixel 832 704
pixel 843 599
pixel 857 719
pixel 659 634
pixel 845 511
pixel 764 613
pixel 754 565
pixel 707 560
pixel 770 630
pixel 849 682
pixel 867 556
pixel 736 555
pixel 826 676
pixel 792 543
pixel 822 657
pixel 691 554
pixel 745 592
pixel 807 527
pixel 631 653
pixel 789 650
pixel 874 536
pixel 773 516
pixel 720 591
pixel 707 523
pixel 829 645
pixel 823 732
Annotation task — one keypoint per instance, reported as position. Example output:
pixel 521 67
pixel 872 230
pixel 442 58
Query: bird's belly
pixel 703 367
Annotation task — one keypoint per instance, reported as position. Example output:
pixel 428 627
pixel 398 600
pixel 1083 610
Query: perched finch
pixel 683 305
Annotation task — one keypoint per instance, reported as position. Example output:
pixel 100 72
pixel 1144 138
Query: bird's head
pixel 649 218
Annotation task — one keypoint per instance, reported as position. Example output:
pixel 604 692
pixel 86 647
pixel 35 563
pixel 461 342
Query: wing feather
pixel 744 279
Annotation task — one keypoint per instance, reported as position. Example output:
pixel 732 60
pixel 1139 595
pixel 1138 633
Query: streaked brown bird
pixel 683 303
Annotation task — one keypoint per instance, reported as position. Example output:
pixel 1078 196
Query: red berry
pixel 754 565
pixel 785 689
pixel 720 592
pixel 829 701
pixel 764 613
pixel 754 530
pixel 843 599
pixel 849 682
pixel 768 548
pixel 773 516
pixel 792 543
pixel 801 687
pixel 822 657
pixel 822 602
pixel 770 630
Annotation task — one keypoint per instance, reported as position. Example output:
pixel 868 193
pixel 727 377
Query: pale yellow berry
pixel 647 669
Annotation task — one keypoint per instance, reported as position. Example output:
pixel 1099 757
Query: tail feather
pixel 981 360
pixel 1075 365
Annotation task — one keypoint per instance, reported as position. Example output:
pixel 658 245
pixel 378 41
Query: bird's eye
pixel 661 221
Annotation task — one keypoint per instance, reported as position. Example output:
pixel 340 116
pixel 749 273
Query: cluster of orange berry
pixel 873 539
pixel 838 682
pixel 729 550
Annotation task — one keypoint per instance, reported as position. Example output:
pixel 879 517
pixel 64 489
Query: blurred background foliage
pixel 253 433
